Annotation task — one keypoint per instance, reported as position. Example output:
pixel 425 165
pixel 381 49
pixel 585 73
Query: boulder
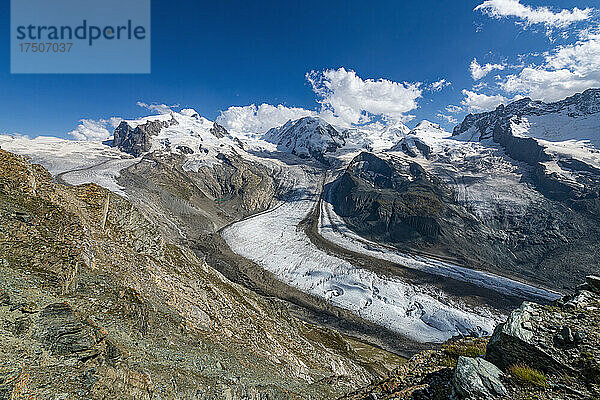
pixel 475 379
pixel 559 339
pixel 522 340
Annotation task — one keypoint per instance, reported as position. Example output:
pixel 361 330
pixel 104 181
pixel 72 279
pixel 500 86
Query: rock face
pixel 137 140
pixel 219 131
pixel 477 379
pixel 394 200
pixel 63 333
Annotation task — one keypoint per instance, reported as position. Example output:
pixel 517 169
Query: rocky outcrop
pixel 544 352
pixel 219 131
pixel 63 333
pixel 137 140
pixel 561 339
pixel 394 200
pixel 477 379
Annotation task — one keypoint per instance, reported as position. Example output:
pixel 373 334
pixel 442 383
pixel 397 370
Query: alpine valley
pixel 180 260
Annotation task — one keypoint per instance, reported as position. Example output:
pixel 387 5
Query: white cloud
pixel 475 102
pixel 565 71
pixel 451 119
pixel 451 108
pixel 439 85
pixel 532 16
pixel 157 108
pixel 479 71
pixel 347 99
pixel 94 130
pixel 253 119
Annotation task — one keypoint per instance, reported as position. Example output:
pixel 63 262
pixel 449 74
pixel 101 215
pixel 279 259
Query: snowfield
pixel 275 242
pixel 75 162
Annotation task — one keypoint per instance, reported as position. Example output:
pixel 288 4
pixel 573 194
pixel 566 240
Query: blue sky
pixel 213 55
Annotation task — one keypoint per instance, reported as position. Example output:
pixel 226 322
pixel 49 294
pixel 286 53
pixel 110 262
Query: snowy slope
pixel 307 137
pixel 188 134
pixel 424 139
pixel 75 162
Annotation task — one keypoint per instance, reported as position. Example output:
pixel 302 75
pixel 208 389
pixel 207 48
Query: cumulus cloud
pixel 531 16
pixel 479 71
pixel 347 99
pixel 475 102
pixel 564 71
pixel 157 108
pixel 253 119
pixel 95 130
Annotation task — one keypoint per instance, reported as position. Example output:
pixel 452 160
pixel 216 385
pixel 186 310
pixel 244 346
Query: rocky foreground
pixel 97 303
pixel 541 352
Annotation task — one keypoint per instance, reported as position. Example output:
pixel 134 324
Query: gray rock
pixel 512 343
pixel 136 141
pixel 593 283
pixel 475 379
pixel 218 131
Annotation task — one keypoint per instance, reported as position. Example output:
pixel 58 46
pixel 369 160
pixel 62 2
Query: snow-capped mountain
pixel 560 140
pixel 307 137
pixel 312 137
pixel 184 133
pixel 422 139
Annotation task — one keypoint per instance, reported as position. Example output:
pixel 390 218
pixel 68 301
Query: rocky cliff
pixel 136 139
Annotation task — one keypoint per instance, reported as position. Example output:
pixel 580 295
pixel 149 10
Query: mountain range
pixel 180 260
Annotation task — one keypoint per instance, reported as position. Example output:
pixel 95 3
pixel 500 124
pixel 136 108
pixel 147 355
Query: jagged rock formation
pixel 97 303
pixel 559 343
pixel 219 131
pixel 137 139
